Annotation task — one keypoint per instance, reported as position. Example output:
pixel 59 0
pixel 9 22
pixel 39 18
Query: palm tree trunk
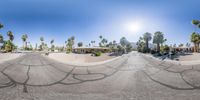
pixel 195 46
pixel 158 47
pixel 25 44
pixel 147 44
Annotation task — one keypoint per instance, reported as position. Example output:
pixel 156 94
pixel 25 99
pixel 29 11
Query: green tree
pixel 24 38
pixel 129 47
pixel 36 46
pixel 80 44
pixel 1 26
pixel 147 37
pixel 52 41
pixel 120 49
pixel 9 46
pixel 10 35
pixel 187 45
pixel 158 39
pixel 1 38
pixel 181 45
pixel 70 43
pixel 92 42
pixel 195 38
pixel 113 46
pixel 141 45
pixel 52 45
pixel 41 39
pixel 1 41
pixel 100 36
pixel 196 23
pixel 125 43
pixel 104 42
pixel 165 48
pixel 110 44
pixel 42 43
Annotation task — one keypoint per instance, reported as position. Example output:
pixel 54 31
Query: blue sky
pixel 87 19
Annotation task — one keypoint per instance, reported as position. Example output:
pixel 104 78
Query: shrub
pixel 47 53
pixel 97 53
pixel 9 46
pixel 67 52
pixel 164 49
pixel 153 51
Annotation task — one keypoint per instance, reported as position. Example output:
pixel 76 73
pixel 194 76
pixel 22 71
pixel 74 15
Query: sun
pixel 133 26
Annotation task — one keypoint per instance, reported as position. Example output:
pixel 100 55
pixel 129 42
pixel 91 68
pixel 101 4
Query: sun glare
pixel 133 26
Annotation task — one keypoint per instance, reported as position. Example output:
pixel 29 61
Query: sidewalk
pixel 82 64
pixel 9 56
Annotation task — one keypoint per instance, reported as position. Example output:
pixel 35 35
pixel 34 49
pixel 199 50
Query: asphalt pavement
pixel 132 77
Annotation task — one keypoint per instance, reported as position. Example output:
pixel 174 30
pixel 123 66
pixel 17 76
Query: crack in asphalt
pixel 28 77
pixel 54 64
pixel 115 67
pixel 193 87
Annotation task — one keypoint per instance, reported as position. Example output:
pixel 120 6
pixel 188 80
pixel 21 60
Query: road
pixel 132 77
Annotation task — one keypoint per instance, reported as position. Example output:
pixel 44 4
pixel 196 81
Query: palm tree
pixel 1 41
pixel 174 45
pixel 92 42
pixel 181 45
pixel 110 44
pixel 52 46
pixel 195 38
pixel 36 46
pixel 41 39
pixel 100 36
pixel 158 39
pixel 196 23
pixel 1 26
pixel 10 35
pixel 42 43
pixel 52 41
pixel 70 43
pixel 9 46
pixel 80 44
pixel 114 43
pixel 72 40
pixel 147 37
pixel 1 38
pixel 24 38
pixel 104 41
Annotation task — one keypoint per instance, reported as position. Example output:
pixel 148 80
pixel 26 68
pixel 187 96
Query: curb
pixel 86 64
